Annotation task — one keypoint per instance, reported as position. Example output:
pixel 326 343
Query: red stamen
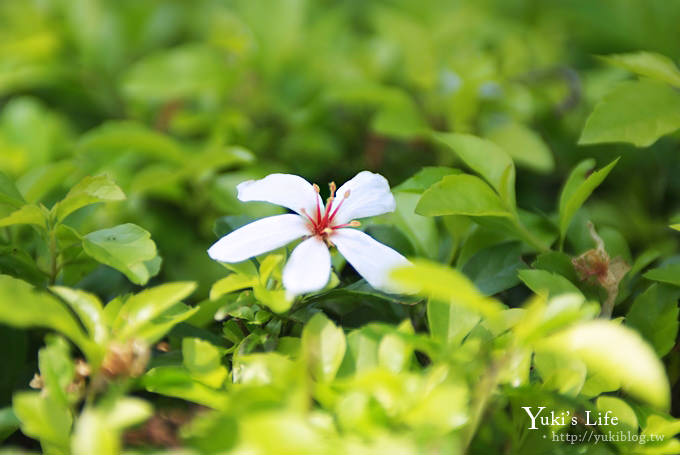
pixel 304 212
pixel 335 211
pixel 329 203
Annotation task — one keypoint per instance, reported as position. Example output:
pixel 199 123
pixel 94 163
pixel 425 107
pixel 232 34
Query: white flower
pixel 321 226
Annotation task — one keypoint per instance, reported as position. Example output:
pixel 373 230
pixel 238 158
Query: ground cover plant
pixel 493 269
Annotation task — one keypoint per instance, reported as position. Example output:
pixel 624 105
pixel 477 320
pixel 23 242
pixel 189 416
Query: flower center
pixel 321 223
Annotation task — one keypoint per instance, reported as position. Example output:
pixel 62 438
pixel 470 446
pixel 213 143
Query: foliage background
pixel 177 102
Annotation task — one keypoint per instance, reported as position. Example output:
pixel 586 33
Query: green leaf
pixel 542 280
pixel 231 283
pixel 627 420
pixel 125 247
pixel 399 118
pixel 28 214
pixel 362 352
pixel 421 230
pixel 424 178
pixel 654 314
pixel 23 306
pixel 98 430
pixel 88 308
pixel 439 282
pixel 204 361
pixel 44 419
pixel 323 347
pixel 448 323
pixel 487 159
pixel 494 269
pixel 638 112
pixel 461 195
pixel 558 372
pixel 578 188
pixel 176 381
pixel 90 190
pixel 648 64
pixel 56 369
pixel 9 194
pixel 142 308
pixel 668 274
pixel 526 147
pixel 617 353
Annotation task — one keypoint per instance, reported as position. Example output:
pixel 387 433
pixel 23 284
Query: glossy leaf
pixel 90 190
pixel 323 345
pixel 461 195
pixel 654 314
pixel 647 64
pixel 126 248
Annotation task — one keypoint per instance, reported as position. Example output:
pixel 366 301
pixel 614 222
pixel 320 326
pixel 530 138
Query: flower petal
pixel 308 267
pixel 369 196
pixel 373 260
pixel 258 237
pixel 286 190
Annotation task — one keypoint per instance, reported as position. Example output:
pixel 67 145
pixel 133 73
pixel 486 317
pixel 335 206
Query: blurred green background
pixel 180 100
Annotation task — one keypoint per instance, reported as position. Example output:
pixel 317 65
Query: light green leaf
pixel 125 247
pixel 362 352
pixel 323 347
pixel 487 159
pixel 231 283
pixel 638 112
pixel 88 308
pixel 270 265
pixel 23 306
pixel 204 361
pixel 424 178
pixel 142 308
pixel 562 373
pixel 578 188
pixel 542 280
pixel 667 274
pixel 627 420
pixel 448 323
pixel 648 64
pixel 45 419
pixel 176 381
pixel 399 118
pixel 275 299
pixel 461 195
pixel 56 369
pixel 526 147
pixel 437 281
pixel 618 353
pixel 675 226
pixel 28 214
pixel 654 314
pixel 98 430
pixel 90 190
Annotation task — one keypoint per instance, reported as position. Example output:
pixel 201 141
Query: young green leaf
pixel 654 314
pixel 45 419
pixel 28 214
pixel 323 346
pixel 23 306
pixel 461 195
pixel 647 64
pixel 142 308
pixel 231 283
pixel 125 247
pixel 487 159
pixel 578 188
pixel 618 353
pixel 437 281
pixel 204 362
pixel 88 308
pixel 90 190
pixel 638 112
